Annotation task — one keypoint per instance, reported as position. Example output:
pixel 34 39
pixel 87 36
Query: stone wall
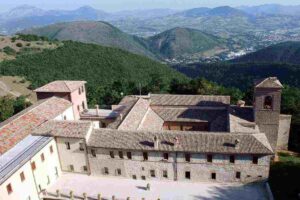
pixel 176 166
pixel 284 132
pixel 73 156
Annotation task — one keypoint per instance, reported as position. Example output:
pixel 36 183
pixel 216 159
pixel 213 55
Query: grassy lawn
pixel 285 177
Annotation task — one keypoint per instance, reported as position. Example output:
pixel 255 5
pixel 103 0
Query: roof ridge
pixel 266 145
pixel 65 82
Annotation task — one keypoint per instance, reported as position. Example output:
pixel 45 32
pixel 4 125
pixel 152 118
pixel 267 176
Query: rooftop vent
pixel 241 103
pixel 156 142
pixel 237 143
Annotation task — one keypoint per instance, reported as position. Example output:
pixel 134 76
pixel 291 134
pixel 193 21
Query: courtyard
pixel 122 188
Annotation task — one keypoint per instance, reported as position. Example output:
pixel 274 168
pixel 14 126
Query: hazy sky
pixel 115 5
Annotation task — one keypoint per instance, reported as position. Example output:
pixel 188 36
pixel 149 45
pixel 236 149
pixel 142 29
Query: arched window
pixel 268 103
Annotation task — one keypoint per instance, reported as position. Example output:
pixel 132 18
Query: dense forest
pixel 110 73
pixel 241 75
pixel 10 106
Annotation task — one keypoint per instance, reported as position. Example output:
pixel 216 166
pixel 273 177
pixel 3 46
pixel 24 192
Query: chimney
pixel 176 141
pixel 237 144
pixel 97 110
pixel 156 142
pixel 241 103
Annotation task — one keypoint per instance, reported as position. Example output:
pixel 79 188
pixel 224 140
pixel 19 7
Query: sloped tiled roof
pixel 201 142
pixel 124 107
pixel 19 126
pixel 63 128
pixel 61 86
pixel 135 116
pixel 271 82
pixel 188 100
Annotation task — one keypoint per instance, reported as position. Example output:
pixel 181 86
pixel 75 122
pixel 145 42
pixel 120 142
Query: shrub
pixel 19 44
pixel 9 51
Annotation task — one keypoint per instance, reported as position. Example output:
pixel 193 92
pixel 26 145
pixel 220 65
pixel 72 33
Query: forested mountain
pixel 101 33
pixel 286 52
pixel 109 72
pixel 242 75
pixel 184 42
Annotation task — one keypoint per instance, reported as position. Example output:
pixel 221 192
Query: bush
pixel 9 51
pixel 28 44
pixel 19 44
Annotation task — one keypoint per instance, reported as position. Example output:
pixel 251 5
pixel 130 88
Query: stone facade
pixel 176 167
pixel 284 132
pixel 72 155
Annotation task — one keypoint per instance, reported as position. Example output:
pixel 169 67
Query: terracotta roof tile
pixel 61 86
pixel 19 126
pixel 72 129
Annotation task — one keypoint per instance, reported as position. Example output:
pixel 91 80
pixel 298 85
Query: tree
pixel 6 107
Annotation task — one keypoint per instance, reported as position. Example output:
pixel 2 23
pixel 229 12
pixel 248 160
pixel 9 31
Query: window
pixel 145 155
pixel 121 154
pixel 68 145
pixel 106 170
pixel 71 168
pixel 188 157
pixel 255 160
pixel 103 125
pixel 51 149
pixel 231 159
pixel 188 175
pixel 22 176
pixel 152 173
pixel 84 168
pixel 79 91
pixel 129 155
pixel 112 155
pixel 119 172
pixel 42 157
pixel 213 176
pixel 40 188
pixel 93 152
pixel 33 166
pixel 81 146
pixel 209 158
pixel 83 105
pixel 166 156
pixel 82 88
pixel 9 189
pixel 268 103
pixel 143 177
pixel 238 175
pixel 78 107
pixel 165 174
pixel 134 177
pixel 65 117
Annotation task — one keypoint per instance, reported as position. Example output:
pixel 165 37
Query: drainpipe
pixel 175 167
pixel 35 183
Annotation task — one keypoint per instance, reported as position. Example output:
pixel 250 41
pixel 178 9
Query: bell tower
pixel 267 101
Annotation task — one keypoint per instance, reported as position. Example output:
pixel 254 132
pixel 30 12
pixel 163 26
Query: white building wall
pixel 28 189
pixel 73 156
pixel 49 170
pixel 66 115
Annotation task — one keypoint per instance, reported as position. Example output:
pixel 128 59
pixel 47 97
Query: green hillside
pixel 101 33
pixel 286 52
pixel 242 75
pixel 180 42
pixel 110 72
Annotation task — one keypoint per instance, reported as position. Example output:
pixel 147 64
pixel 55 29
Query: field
pixel 10 47
pixel 16 86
